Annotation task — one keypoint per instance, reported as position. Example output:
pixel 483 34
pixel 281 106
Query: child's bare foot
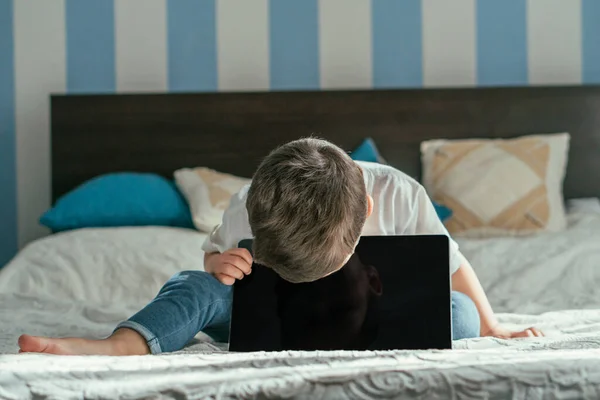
pixel 123 342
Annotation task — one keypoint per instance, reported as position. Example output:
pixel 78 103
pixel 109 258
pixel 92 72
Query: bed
pixel 81 283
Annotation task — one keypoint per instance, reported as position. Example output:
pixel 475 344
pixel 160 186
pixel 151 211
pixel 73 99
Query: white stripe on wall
pixel 141 45
pixel 243 45
pixel 449 43
pixel 554 41
pixel 39 35
pixel 345 44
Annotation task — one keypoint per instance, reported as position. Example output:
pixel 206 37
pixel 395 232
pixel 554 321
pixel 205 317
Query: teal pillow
pixel 367 151
pixel 443 212
pixel 120 199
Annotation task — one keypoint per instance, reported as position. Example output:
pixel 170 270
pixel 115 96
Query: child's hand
pixel 228 266
pixel 503 333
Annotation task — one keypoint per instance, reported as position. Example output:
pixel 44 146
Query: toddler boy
pixel 306 208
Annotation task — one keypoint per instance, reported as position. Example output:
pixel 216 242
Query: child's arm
pixel 223 259
pixel 465 281
pixel 424 220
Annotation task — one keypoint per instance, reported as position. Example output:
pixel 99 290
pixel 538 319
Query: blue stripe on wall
pixel 8 173
pixel 397 43
pixel 590 40
pixel 501 42
pixel 192 45
pixel 90 31
pixel 294 44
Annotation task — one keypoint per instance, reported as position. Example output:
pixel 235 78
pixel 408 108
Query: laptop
pixel 393 293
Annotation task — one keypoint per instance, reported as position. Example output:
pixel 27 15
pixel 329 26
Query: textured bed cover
pixel 531 276
pixel 565 364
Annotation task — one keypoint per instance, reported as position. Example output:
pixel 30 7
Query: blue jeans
pixel 194 301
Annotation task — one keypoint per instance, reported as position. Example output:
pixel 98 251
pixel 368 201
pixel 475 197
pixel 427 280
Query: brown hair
pixel 307 205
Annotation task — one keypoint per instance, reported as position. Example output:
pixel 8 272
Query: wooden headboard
pixel 231 132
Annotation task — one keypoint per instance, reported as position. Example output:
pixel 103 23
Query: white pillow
pixel 208 194
pixel 498 187
pixel 126 266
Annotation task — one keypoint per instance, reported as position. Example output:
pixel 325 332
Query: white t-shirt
pixel 400 207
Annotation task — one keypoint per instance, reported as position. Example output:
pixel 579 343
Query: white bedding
pixel 103 266
pixel 546 272
pixel 522 276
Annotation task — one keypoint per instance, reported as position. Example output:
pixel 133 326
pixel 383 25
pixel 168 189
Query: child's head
pixel 307 205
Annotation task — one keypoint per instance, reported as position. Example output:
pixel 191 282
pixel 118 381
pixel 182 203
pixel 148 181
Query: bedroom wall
pixel 108 46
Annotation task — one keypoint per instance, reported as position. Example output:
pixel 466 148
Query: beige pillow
pixel 208 193
pixel 498 187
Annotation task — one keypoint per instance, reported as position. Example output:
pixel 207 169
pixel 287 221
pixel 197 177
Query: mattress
pixel 548 280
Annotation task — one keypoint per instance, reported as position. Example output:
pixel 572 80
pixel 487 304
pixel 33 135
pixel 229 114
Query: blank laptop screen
pixel 393 293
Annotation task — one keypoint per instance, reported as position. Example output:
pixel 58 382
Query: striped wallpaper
pixel 92 46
